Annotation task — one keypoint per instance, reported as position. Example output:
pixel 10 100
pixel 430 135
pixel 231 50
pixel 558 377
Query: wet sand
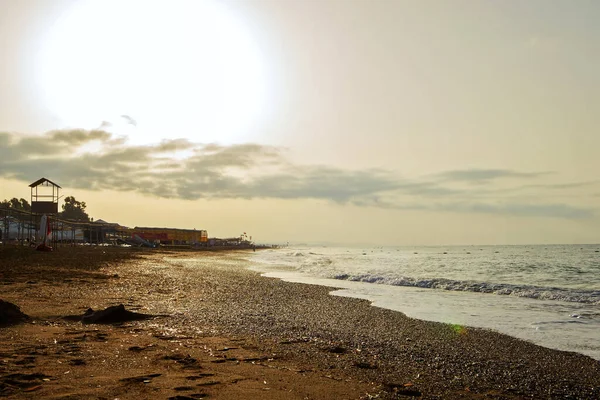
pixel 220 331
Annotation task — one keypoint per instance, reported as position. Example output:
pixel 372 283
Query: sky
pixel 335 121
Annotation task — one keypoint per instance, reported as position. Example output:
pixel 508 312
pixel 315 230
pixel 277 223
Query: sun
pixel 153 70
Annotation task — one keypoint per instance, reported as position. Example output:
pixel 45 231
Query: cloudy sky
pixel 350 121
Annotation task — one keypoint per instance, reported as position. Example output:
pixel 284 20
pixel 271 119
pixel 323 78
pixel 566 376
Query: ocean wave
pixel 528 291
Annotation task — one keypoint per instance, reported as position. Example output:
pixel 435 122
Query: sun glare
pixel 153 70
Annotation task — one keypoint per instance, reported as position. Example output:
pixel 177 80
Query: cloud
pixel 104 124
pixel 75 137
pixel 559 186
pixel 98 160
pixel 521 210
pixel 480 176
pixel 129 120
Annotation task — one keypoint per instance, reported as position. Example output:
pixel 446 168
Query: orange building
pixel 171 235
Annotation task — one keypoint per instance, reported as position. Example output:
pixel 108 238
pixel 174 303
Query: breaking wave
pixel 528 291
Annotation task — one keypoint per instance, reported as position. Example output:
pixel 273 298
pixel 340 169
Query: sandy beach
pixel 217 330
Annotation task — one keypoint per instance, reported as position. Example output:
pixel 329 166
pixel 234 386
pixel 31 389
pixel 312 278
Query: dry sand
pixel 220 331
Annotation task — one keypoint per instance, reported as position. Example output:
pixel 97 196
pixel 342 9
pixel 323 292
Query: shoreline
pixel 314 344
pixel 447 307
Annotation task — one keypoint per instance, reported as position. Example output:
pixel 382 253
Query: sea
pixel 546 294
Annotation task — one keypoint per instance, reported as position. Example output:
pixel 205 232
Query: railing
pixel 21 228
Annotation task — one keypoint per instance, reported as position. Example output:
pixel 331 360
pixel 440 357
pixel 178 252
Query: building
pixel 171 236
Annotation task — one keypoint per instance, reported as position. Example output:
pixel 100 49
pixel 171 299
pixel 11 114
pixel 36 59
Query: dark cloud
pixel 186 170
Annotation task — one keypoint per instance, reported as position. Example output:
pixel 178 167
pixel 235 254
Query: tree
pixel 25 206
pixel 16 204
pixel 74 210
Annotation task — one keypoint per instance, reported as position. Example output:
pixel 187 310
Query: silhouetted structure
pixel 44 197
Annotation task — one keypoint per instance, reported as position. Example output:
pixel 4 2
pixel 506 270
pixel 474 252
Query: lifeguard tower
pixel 44 197
pixel 44 200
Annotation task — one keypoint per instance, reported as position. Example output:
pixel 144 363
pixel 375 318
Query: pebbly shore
pixel 296 327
